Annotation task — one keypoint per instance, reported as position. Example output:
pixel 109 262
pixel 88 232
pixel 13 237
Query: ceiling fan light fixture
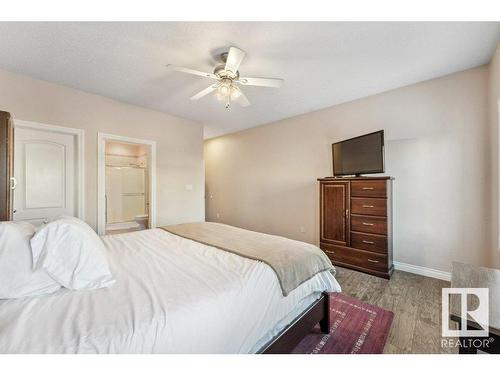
pixel 235 92
pixel 224 87
pixel 227 75
pixel 224 90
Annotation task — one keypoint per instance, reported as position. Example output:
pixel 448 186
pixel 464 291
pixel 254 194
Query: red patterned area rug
pixel 356 328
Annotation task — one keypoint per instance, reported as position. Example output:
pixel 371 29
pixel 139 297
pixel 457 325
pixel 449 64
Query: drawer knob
pixel 372 261
pixel 368 206
pixel 330 251
pixel 368 224
pixel 369 242
pixel 367 188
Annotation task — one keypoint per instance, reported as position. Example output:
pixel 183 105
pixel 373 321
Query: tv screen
pixel 363 154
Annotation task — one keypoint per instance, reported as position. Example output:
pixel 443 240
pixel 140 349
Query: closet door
pixel 45 164
pixel 6 157
pixel 334 226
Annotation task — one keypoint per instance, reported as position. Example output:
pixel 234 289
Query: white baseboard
pixel 424 271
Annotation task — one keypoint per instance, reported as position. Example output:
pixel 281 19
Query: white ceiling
pixel 323 64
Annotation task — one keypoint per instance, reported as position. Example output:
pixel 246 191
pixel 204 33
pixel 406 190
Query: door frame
pixel 101 177
pixel 79 135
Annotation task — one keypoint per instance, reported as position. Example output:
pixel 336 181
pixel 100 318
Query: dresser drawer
pixel 330 250
pixel 357 258
pixel 369 224
pixel 369 188
pixel 369 206
pixel 370 242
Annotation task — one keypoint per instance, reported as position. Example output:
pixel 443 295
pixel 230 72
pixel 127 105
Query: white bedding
pixel 171 295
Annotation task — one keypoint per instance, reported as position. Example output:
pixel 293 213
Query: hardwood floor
pixel 415 301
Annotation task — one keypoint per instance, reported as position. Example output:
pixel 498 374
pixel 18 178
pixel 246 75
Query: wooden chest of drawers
pixel 356 223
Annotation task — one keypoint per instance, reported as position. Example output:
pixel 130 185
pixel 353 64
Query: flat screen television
pixel 359 155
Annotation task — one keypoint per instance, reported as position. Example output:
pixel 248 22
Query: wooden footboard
pixel 292 334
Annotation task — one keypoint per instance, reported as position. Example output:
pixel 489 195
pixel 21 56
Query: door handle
pixel 13 183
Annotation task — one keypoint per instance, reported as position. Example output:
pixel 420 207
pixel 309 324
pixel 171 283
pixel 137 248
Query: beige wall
pixel 493 106
pixel 436 131
pixel 179 141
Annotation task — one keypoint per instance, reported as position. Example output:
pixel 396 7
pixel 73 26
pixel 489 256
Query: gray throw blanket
pixel 294 262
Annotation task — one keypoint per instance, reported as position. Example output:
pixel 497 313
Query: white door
pixel 44 167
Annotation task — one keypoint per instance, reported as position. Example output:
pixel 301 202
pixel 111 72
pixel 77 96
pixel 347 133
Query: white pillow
pixel 17 277
pixel 72 254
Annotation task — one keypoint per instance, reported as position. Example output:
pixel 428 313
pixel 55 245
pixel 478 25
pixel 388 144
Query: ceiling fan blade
pixel 190 71
pixel 234 59
pixel 266 82
pixel 204 92
pixel 241 98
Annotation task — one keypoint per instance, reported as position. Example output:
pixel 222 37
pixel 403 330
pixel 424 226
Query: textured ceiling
pixel 323 64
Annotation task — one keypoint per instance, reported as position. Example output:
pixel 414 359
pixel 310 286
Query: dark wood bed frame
pixel 291 335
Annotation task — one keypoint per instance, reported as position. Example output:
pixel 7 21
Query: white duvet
pixel 171 295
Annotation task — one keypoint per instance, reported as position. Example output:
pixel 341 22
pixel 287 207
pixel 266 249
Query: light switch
pixel 189 187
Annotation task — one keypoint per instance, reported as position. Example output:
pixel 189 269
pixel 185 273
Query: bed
pixel 171 295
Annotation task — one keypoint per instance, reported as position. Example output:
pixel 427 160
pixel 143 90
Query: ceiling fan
pixel 228 79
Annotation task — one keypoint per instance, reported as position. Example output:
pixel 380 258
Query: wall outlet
pixel 302 230
pixel 189 187
pixel 217 215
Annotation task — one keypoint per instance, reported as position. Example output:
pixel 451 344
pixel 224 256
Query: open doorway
pixel 126 200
